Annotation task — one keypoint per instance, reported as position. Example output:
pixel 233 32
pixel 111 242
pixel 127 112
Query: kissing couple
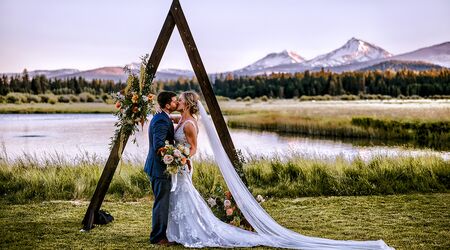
pixel 180 214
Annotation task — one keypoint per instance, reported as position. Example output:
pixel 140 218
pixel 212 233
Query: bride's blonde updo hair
pixel 191 99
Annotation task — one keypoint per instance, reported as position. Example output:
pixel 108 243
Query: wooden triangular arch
pixel 174 17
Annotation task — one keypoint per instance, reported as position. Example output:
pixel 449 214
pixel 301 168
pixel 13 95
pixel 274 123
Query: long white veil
pixel 264 225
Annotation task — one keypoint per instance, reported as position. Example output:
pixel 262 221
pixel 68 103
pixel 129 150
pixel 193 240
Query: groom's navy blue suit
pixel 159 131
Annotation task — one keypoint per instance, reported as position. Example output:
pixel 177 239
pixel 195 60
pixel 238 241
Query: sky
pixel 230 34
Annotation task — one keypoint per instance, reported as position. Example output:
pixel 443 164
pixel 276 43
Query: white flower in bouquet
pixel 260 199
pixel 145 98
pixel 168 159
pixel 177 153
pixel 211 202
pixel 226 203
pixel 186 151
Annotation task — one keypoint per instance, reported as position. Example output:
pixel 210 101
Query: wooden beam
pixel 114 157
pixel 205 85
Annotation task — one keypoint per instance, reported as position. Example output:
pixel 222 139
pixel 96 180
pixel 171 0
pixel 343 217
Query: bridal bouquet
pixel 175 157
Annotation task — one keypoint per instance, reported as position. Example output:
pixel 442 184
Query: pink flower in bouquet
pixel 168 159
pixel 118 105
pixel 229 211
pixel 177 153
pixel 226 203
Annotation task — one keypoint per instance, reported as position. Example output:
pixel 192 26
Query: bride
pixel 193 224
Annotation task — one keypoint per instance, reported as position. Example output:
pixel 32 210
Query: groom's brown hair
pixel 165 97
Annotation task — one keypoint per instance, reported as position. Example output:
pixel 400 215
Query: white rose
pixel 212 202
pixel 226 203
pixel 168 159
pixel 177 153
pixel 145 98
pixel 260 199
pixel 186 151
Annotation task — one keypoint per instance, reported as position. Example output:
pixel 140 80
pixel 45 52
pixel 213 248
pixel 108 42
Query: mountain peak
pixel 275 59
pixel 353 51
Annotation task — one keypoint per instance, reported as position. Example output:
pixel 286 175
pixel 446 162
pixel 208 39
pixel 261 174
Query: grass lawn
pixel 44 108
pixel 415 221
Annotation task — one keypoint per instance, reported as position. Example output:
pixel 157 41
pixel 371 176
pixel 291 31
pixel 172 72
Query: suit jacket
pixel 159 131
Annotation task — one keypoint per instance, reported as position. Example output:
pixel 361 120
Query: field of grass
pixel 417 221
pixel 425 123
pixel 28 179
pixel 46 108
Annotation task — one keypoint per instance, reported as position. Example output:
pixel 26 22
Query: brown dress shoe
pixel 165 242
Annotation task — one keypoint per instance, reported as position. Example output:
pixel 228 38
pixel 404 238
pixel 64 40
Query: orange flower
pixel 135 109
pixel 229 212
pixel 118 105
pixel 183 160
pixel 228 195
pixel 135 98
pixel 150 97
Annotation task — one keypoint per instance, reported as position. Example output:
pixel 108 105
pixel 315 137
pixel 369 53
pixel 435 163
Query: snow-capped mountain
pixel 354 55
pixel 274 59
pixel 354 51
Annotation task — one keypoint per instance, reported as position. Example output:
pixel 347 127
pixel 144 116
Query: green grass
pixel 420 123
pixel 46 108
pixel 28 179
pixel 418 221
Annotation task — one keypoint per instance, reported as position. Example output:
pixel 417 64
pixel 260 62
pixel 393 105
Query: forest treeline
pixel 278 85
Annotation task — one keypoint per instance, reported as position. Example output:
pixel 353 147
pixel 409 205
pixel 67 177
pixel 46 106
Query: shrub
pixel 264 98
pixel 52 100
pixel 64 99
pixel 44 98
pixel 349 97
pixel 2 99
pixel 222 98
pixel 239 99
pixel 33 99
pixel 105 97
pixel 247 99
pixel 86 97
pixel 305 98
pixel 16 98
pixel 74 98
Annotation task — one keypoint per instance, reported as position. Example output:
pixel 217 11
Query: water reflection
pixel 74 134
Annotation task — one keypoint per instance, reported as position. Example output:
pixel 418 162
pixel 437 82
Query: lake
pixel 72 135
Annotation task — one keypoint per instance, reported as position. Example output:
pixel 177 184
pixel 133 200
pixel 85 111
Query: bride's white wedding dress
pixel 193 224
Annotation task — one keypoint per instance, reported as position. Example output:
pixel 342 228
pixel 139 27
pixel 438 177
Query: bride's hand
pixel 158 109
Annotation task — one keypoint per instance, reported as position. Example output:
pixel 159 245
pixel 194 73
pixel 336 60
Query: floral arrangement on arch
pixel 134 103
pixel 225 208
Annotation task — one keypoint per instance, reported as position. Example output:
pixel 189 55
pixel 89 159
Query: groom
pixel 160 130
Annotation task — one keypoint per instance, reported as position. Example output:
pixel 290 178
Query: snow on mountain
pixel 354 51
pixel 274 59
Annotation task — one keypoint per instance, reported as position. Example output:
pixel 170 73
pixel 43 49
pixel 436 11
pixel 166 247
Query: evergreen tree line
pixel 283 85
pixel 42 85
pixel 404 82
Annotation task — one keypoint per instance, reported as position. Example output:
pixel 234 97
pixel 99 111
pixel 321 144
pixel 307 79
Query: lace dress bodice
pixel 180 137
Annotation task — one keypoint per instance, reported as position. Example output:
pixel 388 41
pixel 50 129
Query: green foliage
pixel 64 98
pixel 57 178
pixel 247 99
pixel 16 98
pixel 86 97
